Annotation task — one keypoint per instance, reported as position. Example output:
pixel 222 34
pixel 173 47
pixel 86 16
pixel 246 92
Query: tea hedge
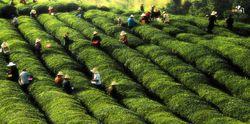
pixel 237 54
pixel 16 107
pixel 172 93
pixel 53 101
pixel 205 60
pixel 187 75
pixel 127 90
pixel 95 100
pixel 196 81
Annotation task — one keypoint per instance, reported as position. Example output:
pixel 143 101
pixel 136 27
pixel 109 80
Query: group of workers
pixel 63 81
pixel 213 18
pixel 24 78
pixel 146 18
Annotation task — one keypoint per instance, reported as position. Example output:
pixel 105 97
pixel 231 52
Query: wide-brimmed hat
pixel 132 16
pixel 123 33
pixel 214 13
pixel 38 40
pixel 33 11
pixel 66 76
pixel 114 83
pixel 60 73
pixel 94 70
pixel 11 64
pixel 79 8
pixel 143 14
pixel 4 44
pixel 95 32
pixel 50 7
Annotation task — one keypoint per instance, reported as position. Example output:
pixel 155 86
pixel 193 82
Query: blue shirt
pixel 131 22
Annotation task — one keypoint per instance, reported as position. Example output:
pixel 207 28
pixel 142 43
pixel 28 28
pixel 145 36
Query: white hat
pixel 11 64
pixel 50 7
pixel 213 13
pixel 95 32
pixel 38 40
pixel 143 14
pixel 79 8
pixel 60 73
pixel 123 33
pixel 114 83
pixel 132 16
pixel 4 44
pixel 94 70
pixel 66 76
pixel 33 11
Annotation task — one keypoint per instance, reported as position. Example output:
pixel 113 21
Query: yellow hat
pixel 214 13
pixel 66 76
pixel 95 32
pixel 123 33
pixel 114 83
pixel 94 70
pixel 38 40
pixel 60 73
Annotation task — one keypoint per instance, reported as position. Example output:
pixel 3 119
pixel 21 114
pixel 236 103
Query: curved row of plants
pixel 205 60
pixel 97 102
pixel 129 93
pixel 240 28
pixel 195 80
pixel 15 105
pixel 53 101
pixel 173 94
pixel 244 42
pixel 217 46
pixel 237 54
pixel 187 75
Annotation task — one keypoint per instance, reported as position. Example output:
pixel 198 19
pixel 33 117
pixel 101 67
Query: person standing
pixel 230 22
pixel 124 37
pixel 11 3
pixel 59 79
pixel 165 17
pixel 67 85
pixel 131 22
pixel 38 47
pixel 24 79
pixel 12 73
pixel 33 13
pixel 152 13
pixel 96 80
pixel 119 21
pixel 212 20
pixel 5 48
pixel 96 40
pixel 112 89
pixel 15 21
pixel 51 10
pixel 79 12
pixel 67 41
pixel 142 8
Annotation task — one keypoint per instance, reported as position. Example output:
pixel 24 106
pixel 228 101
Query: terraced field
pixel 167 74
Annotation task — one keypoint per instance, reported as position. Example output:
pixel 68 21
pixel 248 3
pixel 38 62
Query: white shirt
pixel 96 79
pixel 24 78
